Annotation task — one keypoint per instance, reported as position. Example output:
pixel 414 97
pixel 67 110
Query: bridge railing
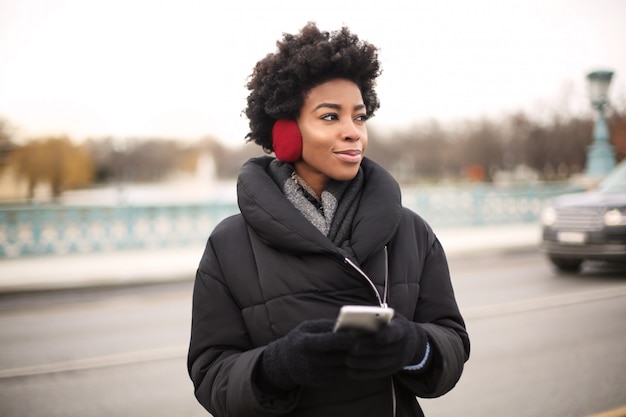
pixel 54 230
pixel 481 204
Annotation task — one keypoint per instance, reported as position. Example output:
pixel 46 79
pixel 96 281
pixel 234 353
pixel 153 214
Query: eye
pixel 330 117
pixel 361 118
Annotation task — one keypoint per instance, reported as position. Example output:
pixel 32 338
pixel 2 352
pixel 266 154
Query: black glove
pixel 400 343
pixel 310 355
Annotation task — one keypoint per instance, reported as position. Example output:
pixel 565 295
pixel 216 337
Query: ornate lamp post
pixel 600 157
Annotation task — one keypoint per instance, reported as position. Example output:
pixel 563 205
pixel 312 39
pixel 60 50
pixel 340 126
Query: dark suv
pixel 589 225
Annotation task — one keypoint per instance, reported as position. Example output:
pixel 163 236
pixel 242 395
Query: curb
pixel 99 270
pixel 151 266
pixel 492 239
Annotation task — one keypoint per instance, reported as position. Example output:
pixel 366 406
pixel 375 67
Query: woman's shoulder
pixel 410 217
pixel 229 229
pixel 413 235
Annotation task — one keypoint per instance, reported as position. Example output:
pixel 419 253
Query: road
pixel 543 344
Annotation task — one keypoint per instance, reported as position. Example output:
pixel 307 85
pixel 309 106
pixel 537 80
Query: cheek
pixel 316 155
pixel 364 139
pixel 313 145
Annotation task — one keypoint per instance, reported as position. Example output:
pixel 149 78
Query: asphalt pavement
pixel 172 264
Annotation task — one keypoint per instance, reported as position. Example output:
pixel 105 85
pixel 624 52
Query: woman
pixel 320 227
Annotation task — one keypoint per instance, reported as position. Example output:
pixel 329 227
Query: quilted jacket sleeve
pixel 439 314
pixel 221 358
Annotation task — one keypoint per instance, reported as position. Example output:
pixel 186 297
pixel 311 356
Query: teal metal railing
pixel 481 204
pixel 53 230
pixel 48 230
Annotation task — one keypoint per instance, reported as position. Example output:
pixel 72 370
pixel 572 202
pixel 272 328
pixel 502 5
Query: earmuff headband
pixel 287 140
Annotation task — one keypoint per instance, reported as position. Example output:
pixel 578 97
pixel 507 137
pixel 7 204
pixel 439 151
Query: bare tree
pixel 55 161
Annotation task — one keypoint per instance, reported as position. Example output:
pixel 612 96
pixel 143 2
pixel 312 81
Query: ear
pixel 287 140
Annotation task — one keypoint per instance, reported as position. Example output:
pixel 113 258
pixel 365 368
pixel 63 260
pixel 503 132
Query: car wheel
pixel 566 264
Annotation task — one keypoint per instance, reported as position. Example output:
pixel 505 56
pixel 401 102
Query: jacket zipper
pixel 394 404
pixel 383 303
pixel 367 279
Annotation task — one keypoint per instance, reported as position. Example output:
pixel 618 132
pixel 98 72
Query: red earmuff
pixel 287 140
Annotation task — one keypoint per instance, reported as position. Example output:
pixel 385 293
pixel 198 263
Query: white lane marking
pixel 176 352
pixel 541 303
pixel 125 358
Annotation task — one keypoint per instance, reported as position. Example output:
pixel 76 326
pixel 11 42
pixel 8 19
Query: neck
pixel 306 186
pixel 317 182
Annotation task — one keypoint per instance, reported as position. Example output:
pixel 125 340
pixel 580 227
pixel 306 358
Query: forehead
pixel 337 91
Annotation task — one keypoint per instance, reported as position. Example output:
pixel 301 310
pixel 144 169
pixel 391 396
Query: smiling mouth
pixel 352 156
pixel 350 152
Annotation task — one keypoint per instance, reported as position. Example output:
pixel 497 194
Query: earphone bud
pixel 287 140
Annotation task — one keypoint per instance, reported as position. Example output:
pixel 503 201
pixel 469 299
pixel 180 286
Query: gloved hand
pixel 400 343
pixel 309 355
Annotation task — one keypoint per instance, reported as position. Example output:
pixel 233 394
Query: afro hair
pixel 280 81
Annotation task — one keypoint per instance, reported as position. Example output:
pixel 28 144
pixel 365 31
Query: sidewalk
pixel 178 264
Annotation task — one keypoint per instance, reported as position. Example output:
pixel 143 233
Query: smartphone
pixel 363 319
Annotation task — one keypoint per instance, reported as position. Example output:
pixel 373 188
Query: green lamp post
pixel 600 156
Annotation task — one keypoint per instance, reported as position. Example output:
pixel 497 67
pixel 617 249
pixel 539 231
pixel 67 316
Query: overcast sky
pixel 178 68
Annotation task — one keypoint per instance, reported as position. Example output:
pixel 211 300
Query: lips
pixel 349 155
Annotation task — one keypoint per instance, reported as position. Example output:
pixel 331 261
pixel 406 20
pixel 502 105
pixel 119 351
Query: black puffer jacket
pixel 268 269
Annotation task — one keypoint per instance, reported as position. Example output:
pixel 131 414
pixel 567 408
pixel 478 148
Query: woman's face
pixel 334 136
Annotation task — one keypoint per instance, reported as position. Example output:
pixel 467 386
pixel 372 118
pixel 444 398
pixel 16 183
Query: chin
pixel 346 175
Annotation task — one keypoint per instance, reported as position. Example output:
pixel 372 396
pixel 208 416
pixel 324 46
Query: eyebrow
pixel 336 106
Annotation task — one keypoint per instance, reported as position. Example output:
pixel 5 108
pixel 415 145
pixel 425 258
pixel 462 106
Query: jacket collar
pixel 277 222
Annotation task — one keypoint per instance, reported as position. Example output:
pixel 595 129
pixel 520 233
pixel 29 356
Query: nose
pixel 351 132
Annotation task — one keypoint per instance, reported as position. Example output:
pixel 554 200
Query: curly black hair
pixel 280 81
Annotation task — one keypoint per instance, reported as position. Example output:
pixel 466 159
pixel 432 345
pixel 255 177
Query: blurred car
pixel 587 225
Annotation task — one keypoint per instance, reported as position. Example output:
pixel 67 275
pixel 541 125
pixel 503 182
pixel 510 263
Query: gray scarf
pixel 337 205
